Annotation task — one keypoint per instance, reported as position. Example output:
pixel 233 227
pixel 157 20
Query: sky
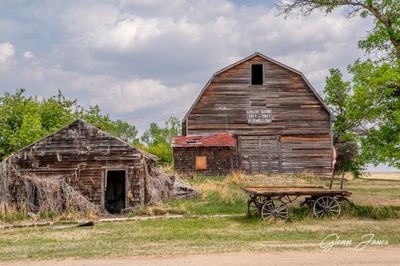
pixel 143 61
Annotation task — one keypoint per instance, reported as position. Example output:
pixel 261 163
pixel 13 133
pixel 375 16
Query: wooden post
pixel 280 155
pixel 342 181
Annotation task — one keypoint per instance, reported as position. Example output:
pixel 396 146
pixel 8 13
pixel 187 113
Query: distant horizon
pixel 382 169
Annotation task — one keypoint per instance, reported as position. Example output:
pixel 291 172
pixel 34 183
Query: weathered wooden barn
pixel 280 123
pixel 107 171
pixel 213 155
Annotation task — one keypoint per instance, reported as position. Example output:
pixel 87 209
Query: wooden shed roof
pixel 268 59
pixel 86 124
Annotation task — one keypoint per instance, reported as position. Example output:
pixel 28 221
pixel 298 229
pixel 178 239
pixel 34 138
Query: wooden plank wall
pixel 219 160
pixel 80 154
pixel 296 113
pixel 260 154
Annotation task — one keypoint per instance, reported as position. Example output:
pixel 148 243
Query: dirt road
pixel 382 256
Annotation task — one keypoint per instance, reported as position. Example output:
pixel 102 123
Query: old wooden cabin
pixel 108 171
pixel 279 121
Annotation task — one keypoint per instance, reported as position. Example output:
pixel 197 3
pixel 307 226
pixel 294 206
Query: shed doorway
pixel 115 191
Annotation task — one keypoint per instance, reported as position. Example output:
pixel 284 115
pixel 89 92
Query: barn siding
pixel 299 120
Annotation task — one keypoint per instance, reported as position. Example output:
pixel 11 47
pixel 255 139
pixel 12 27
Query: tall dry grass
pixel 223 189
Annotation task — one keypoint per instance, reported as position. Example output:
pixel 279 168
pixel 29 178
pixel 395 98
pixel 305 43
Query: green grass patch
pixel 13 217
pixel 183 236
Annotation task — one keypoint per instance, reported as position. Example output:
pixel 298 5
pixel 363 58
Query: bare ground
pixel 368 256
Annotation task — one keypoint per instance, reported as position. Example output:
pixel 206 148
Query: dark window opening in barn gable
pixel 115 191
pixel 257 77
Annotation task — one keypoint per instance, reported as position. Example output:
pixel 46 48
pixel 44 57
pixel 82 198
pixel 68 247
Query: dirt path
pixel 369 256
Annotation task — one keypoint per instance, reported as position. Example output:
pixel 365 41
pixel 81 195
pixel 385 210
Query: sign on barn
pixel 279 122
pixel 259 116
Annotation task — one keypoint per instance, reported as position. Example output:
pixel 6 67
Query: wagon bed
pixel 272 191
pixel 271 201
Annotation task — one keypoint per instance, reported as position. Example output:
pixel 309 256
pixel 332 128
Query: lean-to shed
pixel 279 121
pixel 106 170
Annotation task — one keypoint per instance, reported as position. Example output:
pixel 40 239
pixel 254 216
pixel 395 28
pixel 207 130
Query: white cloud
pixel 6 51
pixel 148 57
pixel 126 33
pixel 134 95
pixel 28 54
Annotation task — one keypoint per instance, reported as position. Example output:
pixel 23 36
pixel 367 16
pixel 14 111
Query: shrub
pixel 162 150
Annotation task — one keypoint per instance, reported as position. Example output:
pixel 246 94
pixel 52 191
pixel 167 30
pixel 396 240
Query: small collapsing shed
pixel 212 155
pixel 109 172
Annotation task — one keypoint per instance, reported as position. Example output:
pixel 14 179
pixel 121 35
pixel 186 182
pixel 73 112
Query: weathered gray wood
pixel 80 153
pixel 300 121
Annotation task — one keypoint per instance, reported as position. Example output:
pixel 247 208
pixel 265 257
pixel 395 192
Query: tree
pixel 156 134
pixel 337 95
pixel 124 131
pixel 367 111
pixel 376 103
pixel 158 140
pixel 384 37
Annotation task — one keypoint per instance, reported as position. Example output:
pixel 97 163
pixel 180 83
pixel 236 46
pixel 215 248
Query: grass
pixel 184 236
pixel 14 217
pixel 375 199
pixel 376 210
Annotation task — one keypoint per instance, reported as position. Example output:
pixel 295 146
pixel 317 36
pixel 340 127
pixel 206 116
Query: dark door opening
pixel 115 191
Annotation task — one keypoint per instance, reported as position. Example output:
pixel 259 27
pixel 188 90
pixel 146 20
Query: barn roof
pixel 268 59
pixel 88 125
pixel 216 140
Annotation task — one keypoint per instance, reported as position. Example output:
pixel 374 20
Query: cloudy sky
pixel 144 61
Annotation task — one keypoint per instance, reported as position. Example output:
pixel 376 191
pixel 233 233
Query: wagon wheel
pixel 254 205
pixel 253 210
pixel 326 206
pixel 274 210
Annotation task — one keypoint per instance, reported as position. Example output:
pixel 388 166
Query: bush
pixel 162 150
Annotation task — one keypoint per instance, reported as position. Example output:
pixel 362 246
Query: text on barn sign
pixel 259 116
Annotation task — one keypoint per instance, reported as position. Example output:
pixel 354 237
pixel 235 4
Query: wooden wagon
pixel 270 202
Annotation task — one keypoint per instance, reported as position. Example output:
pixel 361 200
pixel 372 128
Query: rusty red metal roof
pixel 216 140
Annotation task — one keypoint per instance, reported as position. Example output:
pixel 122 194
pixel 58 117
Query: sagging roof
pixel 268 59
pixel 216 140
pixel 88 125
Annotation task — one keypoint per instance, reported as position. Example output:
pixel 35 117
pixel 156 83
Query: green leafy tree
pixel 158 140
pixel 337 94
pixel 125 131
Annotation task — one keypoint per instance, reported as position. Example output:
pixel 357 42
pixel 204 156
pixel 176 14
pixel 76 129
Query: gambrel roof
pixel 268 59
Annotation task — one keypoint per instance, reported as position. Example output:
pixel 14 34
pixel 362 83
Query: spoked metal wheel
pixel 274 210
pixel 326 207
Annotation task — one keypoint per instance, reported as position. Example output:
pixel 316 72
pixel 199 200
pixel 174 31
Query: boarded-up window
pixel 257 74
pixel 201 163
